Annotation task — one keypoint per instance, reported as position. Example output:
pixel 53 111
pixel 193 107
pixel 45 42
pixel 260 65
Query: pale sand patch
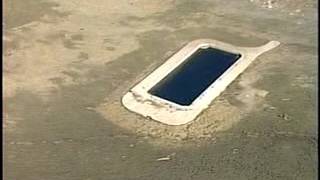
pixel 53 47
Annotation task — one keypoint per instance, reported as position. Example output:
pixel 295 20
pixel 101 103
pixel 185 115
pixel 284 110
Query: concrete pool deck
pixel 140 101
pixel 68 63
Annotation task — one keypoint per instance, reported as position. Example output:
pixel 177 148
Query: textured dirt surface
pixel 68 63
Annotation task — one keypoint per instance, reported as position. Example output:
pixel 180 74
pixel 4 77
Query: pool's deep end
pixel 185 83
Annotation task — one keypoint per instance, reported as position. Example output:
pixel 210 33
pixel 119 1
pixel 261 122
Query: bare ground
pixel 68 63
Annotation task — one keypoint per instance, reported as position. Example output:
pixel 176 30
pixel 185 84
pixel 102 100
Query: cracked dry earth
pixel 68 63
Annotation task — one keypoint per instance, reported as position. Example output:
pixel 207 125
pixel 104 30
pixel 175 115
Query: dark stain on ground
pixel 69 40
pixel 72 43
pixel 83 56
pixel 77 37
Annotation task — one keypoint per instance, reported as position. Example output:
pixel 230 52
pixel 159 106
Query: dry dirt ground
pixel 68 63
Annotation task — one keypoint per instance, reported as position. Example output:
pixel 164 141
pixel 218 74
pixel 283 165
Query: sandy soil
pixel 68 63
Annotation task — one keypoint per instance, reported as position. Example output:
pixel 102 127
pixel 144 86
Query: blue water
pixel 184 84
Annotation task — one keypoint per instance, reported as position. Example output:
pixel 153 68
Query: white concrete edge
pixel 140 101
